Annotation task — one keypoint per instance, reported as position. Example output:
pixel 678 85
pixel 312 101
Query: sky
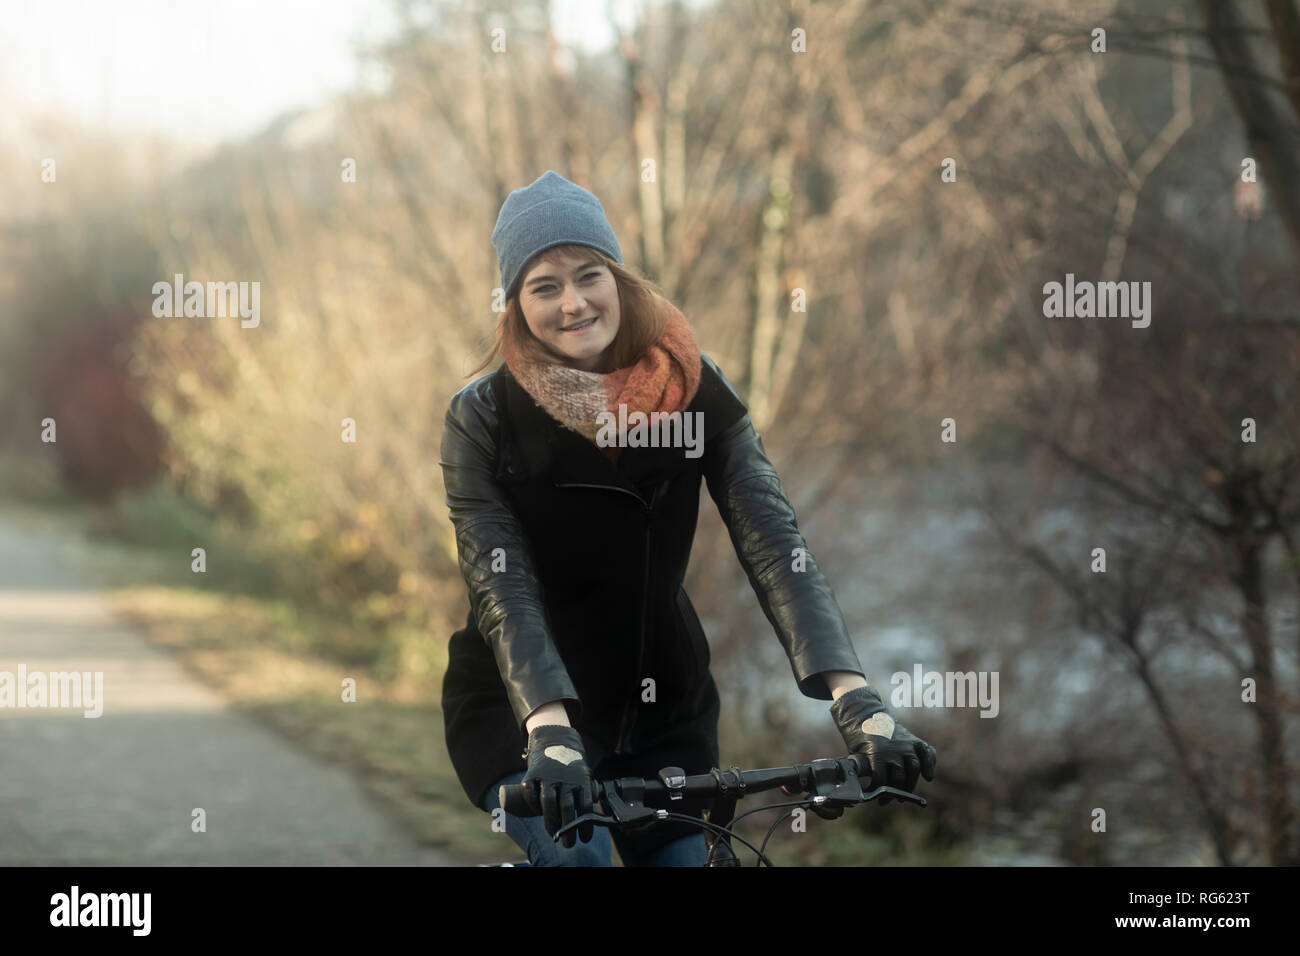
pixel 206 70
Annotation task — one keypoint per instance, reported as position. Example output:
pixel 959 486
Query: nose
pixel 573 302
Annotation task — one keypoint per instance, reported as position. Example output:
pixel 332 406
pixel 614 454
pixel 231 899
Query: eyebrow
pixel 536 279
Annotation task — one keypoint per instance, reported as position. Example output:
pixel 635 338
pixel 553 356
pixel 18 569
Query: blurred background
pixel 752 157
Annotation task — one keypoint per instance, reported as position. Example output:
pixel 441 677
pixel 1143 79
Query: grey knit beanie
pixel 550 211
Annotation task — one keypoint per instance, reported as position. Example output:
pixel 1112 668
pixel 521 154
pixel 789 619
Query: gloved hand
pixel 897 756
pixel 558 764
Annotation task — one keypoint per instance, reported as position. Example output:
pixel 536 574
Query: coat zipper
pixel 624 728
pixel 640 650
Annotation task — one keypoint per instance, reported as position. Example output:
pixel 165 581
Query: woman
pixel 582 655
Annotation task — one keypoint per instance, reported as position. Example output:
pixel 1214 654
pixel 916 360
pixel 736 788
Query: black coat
pixel 584 599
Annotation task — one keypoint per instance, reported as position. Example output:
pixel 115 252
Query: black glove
pixel 897 756
pixel 558 764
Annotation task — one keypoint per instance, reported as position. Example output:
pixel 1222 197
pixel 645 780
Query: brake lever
pixel 895 794
pixel 835 784
pixel 596 819
pixel 892 792
pixel 625 801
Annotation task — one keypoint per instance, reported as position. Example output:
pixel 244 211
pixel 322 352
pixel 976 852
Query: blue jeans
pixel 530 833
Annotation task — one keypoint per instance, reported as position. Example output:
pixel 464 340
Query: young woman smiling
pixel 582 654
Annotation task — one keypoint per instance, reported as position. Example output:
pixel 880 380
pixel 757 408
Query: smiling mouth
pixel 581 325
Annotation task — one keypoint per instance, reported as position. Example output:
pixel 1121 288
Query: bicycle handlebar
pixel 835 783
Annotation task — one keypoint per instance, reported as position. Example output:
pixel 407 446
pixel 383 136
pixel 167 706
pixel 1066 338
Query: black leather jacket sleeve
pixel 757 512
pixel 507 604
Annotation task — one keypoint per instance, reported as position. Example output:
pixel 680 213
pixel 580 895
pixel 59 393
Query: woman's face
pixel 576 293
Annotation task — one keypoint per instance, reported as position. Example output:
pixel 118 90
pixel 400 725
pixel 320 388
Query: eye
pixel 545 289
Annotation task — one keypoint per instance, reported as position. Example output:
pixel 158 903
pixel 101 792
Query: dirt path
pixel 122 788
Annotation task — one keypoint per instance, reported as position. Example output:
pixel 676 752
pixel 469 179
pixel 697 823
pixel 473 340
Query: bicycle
pixel 635 804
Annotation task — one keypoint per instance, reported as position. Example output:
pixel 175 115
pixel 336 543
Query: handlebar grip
pixel 519 800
